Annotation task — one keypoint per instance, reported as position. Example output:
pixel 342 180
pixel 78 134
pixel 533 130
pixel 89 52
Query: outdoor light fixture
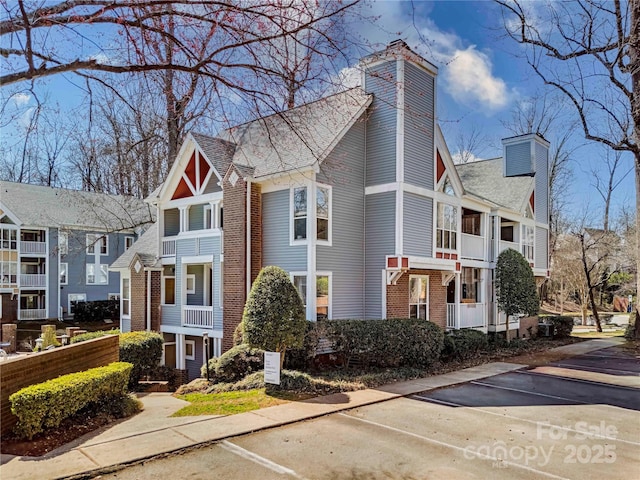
pixel 64 339
pixel 39 342
pixel 205 338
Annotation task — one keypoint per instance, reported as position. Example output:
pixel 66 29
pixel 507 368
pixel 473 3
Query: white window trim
pixel 66 275
pixel 97 273
pixel 427 295
pixel 193 350
pixel 456 231
pixel 63 243
pixel 130 240
pixel 162 289
pixel 292 239
pixel 328 241
pixel 220 285
pixel 190 276
pixel 76 300
pixel 164 345
pixel 95 243
pixel 311 217
pixel 330 305
pixel 122 299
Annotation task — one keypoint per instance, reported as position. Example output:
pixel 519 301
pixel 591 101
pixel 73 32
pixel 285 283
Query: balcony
pixel 472 315
pixel 473 247
pixel 200 316
pixel 504 245
pixel 33 248
pixel 169 247
pixel 33 280
pixel 33 314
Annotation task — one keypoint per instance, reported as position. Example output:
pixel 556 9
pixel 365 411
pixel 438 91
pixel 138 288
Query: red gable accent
pixel 405 262
pixel 440 166
pixel 532 201
pixel 182 191
pixel 190 171
pixel 392 262
pixel 204 170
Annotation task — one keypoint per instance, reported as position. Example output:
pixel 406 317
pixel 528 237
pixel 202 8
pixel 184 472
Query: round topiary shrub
pixel 562 326
pixel 235 364
pixel 465 344
pixel 274 317
pixel 143 350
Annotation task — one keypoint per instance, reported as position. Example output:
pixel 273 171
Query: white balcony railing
pixel 32 248
pixel 33 314
pixel 33 280
pixel 504 245
pixel 168 247
pixel 501 320
pixel 197 316
pixel 473 247
pixel 472 315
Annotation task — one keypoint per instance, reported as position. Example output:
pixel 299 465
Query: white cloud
pixel 464 157
pixel 20 99
pixel 469 79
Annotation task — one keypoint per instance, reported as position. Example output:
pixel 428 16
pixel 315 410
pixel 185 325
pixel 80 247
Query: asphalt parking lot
pixel 575 418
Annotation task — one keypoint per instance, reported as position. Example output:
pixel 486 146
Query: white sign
pixel 272 367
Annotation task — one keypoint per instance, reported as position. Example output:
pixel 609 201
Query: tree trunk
pixel 634 67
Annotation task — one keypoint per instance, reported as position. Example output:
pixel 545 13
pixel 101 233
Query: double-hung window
pixel 126 297
pixel 97 244
pixel 419 296
pixel 301 209
pixel 527 242
pixel 168 285
pixel 447 227
pixel 64 273
pixel 97 274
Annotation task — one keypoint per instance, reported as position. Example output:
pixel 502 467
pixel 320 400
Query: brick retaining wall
pixel 20 372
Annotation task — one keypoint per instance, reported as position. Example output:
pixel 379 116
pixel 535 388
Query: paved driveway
pixel 575 419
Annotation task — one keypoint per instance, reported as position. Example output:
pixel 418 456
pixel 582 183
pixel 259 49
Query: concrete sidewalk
pixel 153 432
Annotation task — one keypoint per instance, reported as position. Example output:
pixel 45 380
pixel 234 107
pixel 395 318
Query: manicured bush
pixel 143 350
pixel 235 364
pixel 96 311
pixel 386 343
pixel 562 326
pixel 46 404
pixel 464 344
pixel 49 336
pixel 91 335
pixel 274 318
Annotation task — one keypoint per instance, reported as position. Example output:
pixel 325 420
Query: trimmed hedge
pixel 83 337
pixel 143 350
pixel 464 344
pixel 386 343
pixel 96 311
pixel 562 326
pixel 235 364
pixel 47 404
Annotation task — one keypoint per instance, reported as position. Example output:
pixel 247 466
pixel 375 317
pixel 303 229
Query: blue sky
pixel 480 80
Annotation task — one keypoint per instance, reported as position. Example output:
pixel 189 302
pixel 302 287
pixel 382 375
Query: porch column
pixel 458 289
pixel 180 351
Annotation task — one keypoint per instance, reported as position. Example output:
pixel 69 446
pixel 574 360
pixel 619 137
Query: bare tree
pixel 469 144
pixel 590 51
pixel 606 186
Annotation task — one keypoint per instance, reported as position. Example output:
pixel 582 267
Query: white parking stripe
pixel 528 392
pixel 255 458
pixel 455 447
pixel 505 415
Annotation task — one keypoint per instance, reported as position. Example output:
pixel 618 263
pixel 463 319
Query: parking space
pixel 521 425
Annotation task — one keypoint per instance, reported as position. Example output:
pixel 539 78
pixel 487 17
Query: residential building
pixel 357 197
pixel 56 246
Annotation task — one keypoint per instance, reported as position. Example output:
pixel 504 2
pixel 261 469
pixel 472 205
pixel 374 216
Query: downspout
pixel 148 300
pixel 248 240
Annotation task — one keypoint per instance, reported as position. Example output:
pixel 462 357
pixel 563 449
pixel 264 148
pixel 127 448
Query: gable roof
pixel 42 206
pixel 296 139
pixel 485 179
pixel 146 247
pixel 218 151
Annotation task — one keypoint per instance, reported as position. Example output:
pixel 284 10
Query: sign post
pixel 272 367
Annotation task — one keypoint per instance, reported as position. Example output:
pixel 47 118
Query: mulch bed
pixel 67 431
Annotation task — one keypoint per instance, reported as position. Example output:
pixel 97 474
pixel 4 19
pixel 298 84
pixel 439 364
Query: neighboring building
pixel 357 197
pixel 56 246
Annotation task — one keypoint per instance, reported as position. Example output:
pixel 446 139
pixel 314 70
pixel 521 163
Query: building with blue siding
pixel 357 197
pixel 56 246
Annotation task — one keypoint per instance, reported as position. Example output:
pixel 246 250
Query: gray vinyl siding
pixel 345 257
pixel 196 217
pixel 542 184
pixel 193 366
pixel 541 248
pixel 518 159
pixel 275 234
pixel 213 186
pixel 418 127
pixel 418 225
pixel 171 222
pixel 380 230
pixel 381 124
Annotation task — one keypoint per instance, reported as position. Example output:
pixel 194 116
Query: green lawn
pixel 230 403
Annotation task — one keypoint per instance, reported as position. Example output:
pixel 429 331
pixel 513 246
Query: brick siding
pixel 9 308
pixel 398 297
pixel 527 323
pixel 20 372
pixel 138 300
